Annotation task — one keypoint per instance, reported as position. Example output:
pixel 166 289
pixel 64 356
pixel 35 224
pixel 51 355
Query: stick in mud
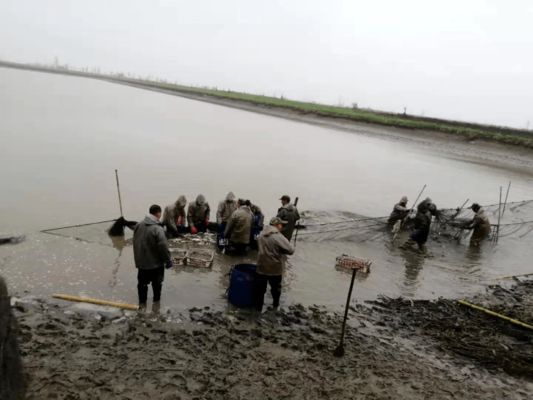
pixel 118 190
pixel 339 351
pixel 506 196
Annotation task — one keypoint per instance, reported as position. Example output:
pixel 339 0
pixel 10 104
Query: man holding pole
pixel 289 213
pixel 151 254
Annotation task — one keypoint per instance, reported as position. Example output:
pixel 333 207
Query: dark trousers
pixel 236 249
pixel 144 278
pixel 260 286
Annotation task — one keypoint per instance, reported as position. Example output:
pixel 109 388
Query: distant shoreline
pixel 485 144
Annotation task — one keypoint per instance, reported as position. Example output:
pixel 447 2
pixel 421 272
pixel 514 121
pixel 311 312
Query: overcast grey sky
pixel 461 59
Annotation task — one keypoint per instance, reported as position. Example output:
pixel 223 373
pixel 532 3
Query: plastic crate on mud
pixel 178 256
pixel 201 258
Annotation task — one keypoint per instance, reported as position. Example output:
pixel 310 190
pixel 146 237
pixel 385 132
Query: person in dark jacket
pixel 422 224
pixel 174 217
pixel 13 382
pixel 273 250
pixel 238 229
pixel 257 223
pixel 289 213
pixel 480 225
pixel 198 215
pixel 151 254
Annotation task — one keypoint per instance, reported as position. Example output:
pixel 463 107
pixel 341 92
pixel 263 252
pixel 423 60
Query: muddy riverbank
pixel 393 350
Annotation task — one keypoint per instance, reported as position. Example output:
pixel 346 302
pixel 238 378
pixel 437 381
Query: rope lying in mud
pixel 495 314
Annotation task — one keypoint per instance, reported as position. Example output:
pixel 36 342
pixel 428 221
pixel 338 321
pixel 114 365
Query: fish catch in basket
pixel 349 262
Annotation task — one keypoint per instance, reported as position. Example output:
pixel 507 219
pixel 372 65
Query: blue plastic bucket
pixel 241 285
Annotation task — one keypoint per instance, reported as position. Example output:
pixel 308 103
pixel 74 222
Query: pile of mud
pixel 488 341
pixel 83 353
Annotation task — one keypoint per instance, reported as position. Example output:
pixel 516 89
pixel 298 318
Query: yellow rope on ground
pixel 67 297
pixel 495 314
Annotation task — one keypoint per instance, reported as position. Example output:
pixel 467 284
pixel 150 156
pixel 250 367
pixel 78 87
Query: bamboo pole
pixel 506 196
pixel 495 314
pixel 497 234
pixel 99 302
pixel 118 190
pixel 512 276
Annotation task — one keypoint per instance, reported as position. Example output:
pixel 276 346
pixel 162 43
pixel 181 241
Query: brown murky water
pixel 62 137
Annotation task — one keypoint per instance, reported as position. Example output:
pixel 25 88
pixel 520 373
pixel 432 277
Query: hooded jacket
pixel 198 211
pixel 150 246
pixel 290 214
pixel 399 212
pixel 273 251
pixel 226 208
pixel 174 213
pixel 239 226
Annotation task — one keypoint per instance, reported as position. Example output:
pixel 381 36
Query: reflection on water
pixel 414 261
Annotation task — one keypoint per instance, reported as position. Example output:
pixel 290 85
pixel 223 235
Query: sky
pixel 467 60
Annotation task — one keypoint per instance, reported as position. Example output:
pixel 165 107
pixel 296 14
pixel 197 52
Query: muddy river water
pixel 62 137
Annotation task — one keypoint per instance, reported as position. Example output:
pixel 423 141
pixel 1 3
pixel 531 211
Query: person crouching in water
pixel 273 250
pixel 238 229
pixel 224 211
pixel 480 225
pixel 399 212
pixel 174 218
pixel 151 255
pixel 422 224
pixel 198 215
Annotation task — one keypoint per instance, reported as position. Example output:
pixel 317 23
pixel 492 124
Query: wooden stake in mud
pixel 497 234
pixel 506 196
pixel 339 351
pixel 118 190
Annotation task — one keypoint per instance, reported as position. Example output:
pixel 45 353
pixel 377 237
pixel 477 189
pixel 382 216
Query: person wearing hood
pixel 399 212
pixel 289 213
pixel 151 255
pixel 225 209
pixel 198 215
pixel 480 225
pixel 273 250
pixel 174 217
pixel 238 229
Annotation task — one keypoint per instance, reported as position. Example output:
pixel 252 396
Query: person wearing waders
pixel 480 225
pixel 225 208
pixel 273 250
pixel 289 213
pixel 198 215
pixel 151 255
pixel 399 212
pixel 422 224
pixel 174 218
pixel 238 230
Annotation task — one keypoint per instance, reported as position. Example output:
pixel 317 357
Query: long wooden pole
pixel 339 351
pixel 495 314
pixel 67 297
pixel 499 217
pixel 118 190
pixel 506 196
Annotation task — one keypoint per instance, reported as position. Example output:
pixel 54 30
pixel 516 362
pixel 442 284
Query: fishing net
pixel 516 221
pixel 95 232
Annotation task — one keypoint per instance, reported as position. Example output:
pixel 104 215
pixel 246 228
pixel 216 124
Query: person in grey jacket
pixel 289 213
pixel 225 208
pixel 151 255
pixel 238 229
pixel 174 217
pixel 198 215
pixel 273 250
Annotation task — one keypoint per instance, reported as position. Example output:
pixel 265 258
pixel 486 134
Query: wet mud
pixel 394 349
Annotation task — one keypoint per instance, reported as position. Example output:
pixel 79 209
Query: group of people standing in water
pixel 239 227
pixel 420 222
